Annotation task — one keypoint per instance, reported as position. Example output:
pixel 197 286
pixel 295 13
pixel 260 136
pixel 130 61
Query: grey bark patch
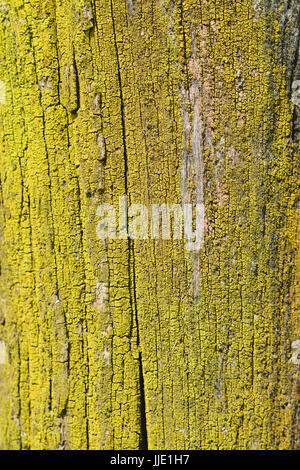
pixel 106 356
pixel 89 19
pixel 192 167
pixel 96 105
pixel 70 87
pixel 296 344
pixel 2 92
pixel 296 92
pixel 131 7
pixel 45 84
pixel 192 173
pixel 101 297
pixel 296 357
pixel 101 146
pixel 192 162
pixel 85 16
pixel 2 353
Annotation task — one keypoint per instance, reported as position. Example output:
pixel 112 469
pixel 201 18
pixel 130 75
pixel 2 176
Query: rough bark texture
pixel 134 344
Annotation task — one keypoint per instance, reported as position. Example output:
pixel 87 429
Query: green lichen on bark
pixel 129 344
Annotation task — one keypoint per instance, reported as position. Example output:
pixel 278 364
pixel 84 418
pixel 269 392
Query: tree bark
pixel 136 344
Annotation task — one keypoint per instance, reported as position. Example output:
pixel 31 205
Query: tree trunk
pixel 130 343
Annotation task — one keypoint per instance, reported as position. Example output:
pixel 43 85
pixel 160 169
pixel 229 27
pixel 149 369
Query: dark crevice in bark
pixel 144 434
pixel 143 419
pixel 77 88
pixel 291 59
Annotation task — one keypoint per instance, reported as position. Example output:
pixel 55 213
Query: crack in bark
pixel 131 257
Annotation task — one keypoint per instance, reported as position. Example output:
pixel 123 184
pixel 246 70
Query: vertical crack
pixel 131 258
pixel 144 434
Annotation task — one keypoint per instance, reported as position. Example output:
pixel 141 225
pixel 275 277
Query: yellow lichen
pixel 130 344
